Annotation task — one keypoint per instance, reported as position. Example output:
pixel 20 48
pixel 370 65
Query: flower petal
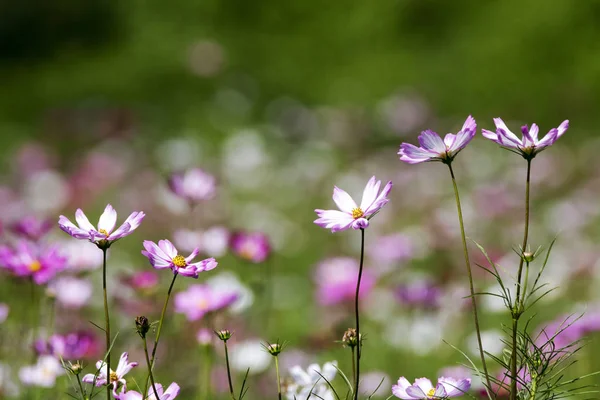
pixel 370 193
pixel 424 383
pixel 415 392
pixel 108 219
pixel 67 226
pixel 412 154
pixel 430 140
pixel 562 128
pixel 343 200
pixel 83 221
pixel 334 220
pixel 503 131
pixel 167 247
pixel 399 390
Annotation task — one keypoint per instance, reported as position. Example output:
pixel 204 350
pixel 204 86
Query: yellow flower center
pixel 357 213
pixel 103 231
pixel 202 304
pixel 35 266
pixel 113 376
pixel 431 393
pixel 179 261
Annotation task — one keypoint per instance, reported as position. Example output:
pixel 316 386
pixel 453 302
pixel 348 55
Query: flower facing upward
pixel 193 185
pixel 433 148
pixel 39 262
pixel 104 236
pixel 423 389
pixel 351 215
pixel 169 394
pixel 114 378
pixel 529 145
pixel 165 255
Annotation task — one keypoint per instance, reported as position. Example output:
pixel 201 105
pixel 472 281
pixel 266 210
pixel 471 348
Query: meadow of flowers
pixel 198 270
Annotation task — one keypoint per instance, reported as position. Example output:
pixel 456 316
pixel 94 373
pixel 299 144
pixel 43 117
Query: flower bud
pixel 74 368
pixel 274 349
pixel 142 326
pixel 349 339
pixel 528 256
pixel 224 335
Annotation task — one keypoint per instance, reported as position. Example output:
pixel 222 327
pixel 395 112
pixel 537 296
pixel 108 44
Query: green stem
pixel 353 367
pixel 359 342
pixel 228 370
pixel 160 324
pixel 517 313
pixel 149 370
pixel 470 275
pixel 206 373
pixel 83 397
pixel 106 319
pixel 278 379
pixel 523 297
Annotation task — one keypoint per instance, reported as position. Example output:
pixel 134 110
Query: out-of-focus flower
pixel 8 386
pixel 433 148
pixel 165 255
pixel 227 282
pixel 4 310
pixel 375 384
pixel 143 280
pixel 40 262
pixel 529 145
pixel 81 256
pixel 390 249
pixel 71 346
pixel 46 192
pixel 31 227
pixel 204 336
pixel 187 240
pixel 312 383
pixel 251 246
pixel 422 293
pixel 104 236
pixel 336 280
pixel 351 215
pixel 198 300
pixel 71 292
pixel 114 378
pixel 423 389
pixel 215 241
pixel 169 394
pixel 43 373
pixel 193 185
pixel 249 354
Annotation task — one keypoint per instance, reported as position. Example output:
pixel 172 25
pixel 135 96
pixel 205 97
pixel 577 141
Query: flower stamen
pixel 35 266
pixel 179 261
pixel 103 231
pixel 113 376
pixel 357 213
pixel 431 393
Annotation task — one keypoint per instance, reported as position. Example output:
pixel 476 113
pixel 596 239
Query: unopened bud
pixel 349 339
pixel 224 334
pixel 75 368
pixel 142 326
pixel 528 256
pixel 274 349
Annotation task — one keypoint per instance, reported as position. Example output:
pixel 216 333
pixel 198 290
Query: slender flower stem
pixel 516 313
pixel 359 342
pixel 205 379
pixel 353 367
pixel 470 275
pixel 160 324
pixel 278 379
pixel 149 370
pixel 106 319
pixel 228 370
pixel 83 397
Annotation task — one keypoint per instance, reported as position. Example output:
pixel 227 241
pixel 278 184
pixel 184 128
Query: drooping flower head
pixel 199 300
pixel 169 394
pixel 529 145
pixel 250 246
pixel 28 259
pixel 433 148
pixel 114 378
pixel 31 227
pixel 351 215
pixel 165 255
pixel 106 234
pixel 193 185
pixel 422 389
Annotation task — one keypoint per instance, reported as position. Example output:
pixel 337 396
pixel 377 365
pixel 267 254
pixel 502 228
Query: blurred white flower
pixel 312 383
pixel 71 292
pixel 491 341
pixel 228 282
pixel 249 354
pixel 43 373
pixel 46 192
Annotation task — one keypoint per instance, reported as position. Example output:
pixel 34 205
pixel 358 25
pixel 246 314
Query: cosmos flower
pixel 27 259
pixel 529 145
pixel 193 185
pixel 43 373
pixel 31 227
pixel 351 215
pixel 423 389
pixel 70 291
pixel 104 236
pixel 198 300
pixel 70 346
pixel 169 394
pixel 250 246
pixel 115 378
pixel 165 255
pixel 336 280
pixel 433 148
pixel 310 384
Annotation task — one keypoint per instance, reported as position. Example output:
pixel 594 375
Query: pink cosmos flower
pixel 336 280
pixel 40 262
pixel 114 378
pixel 529 145
pixel 142 280
pixel 433 148
pixel 71 292
pixel 199 300
pixel 193 185
pixel 70 346
pixel 251 246
pixel 104 236
pixel 351 215
pixel 31 227
pixel 423 389
pixel 169 394
pixel 164 255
